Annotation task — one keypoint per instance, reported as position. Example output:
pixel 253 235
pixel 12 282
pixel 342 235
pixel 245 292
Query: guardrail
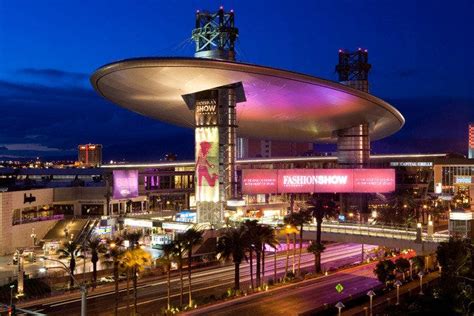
pixel 374 230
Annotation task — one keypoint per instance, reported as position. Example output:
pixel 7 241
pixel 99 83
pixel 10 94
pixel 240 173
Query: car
pixel 107 279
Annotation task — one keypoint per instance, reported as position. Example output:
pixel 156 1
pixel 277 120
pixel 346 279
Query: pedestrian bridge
pixel 390 236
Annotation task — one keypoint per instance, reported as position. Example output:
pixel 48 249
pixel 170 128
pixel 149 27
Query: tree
pixel 113 253
pixel 316 249
pixel 166 259
pixel 191 238
pixel 133 238
pixel 418 262
pixel 269 238
pixel 96 247
pixel 402 265
pixel 401 209
pixel 384 271
pixel 179 248
pixel 251 235
pixel 135 260
pixel 70 250
pixel 298 220
pixel 321 206
pixel 233 244
pixel 287 230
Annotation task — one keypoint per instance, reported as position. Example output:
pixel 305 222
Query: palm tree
pixel 268 237
pixel 179 248
pixel 166 259
pixel 316 249
pixel 113 253
pixel 135 260
pixel 233 243
pixel 251 227
pixel 321 206
pixel 287 230
pixel 70 250
pixel 96 247
pixel 192 237
pixel 299 220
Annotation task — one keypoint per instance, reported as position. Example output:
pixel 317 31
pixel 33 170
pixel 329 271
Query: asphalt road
pixel 152 295
pixel 298 298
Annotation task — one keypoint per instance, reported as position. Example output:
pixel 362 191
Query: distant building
pixel 471 141
pixel 89 155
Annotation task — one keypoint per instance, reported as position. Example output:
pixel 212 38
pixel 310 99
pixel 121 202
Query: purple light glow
pixel 125 184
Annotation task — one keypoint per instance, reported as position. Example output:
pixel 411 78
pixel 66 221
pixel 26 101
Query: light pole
pixel 421 274
pixel 11 294
pixel 371 294
pixel 339 306
pixel 83 286
pixel 33 236
pixel 397 284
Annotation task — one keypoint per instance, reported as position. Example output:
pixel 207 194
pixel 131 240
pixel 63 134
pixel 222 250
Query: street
pixel 152 294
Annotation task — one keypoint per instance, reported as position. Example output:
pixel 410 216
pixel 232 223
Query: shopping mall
pixel 232 106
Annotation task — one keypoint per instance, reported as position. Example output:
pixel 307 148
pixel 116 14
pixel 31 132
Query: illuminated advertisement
pixel 125 184
pixel 207 164
pixel 267 181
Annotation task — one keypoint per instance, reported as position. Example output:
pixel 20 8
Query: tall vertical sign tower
pixel 353 143
pixel 470 153
pixel 215 119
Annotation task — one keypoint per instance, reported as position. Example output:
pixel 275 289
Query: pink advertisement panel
pixel 374 180
pixel 125 184
pixel 266 181
pixel 259 181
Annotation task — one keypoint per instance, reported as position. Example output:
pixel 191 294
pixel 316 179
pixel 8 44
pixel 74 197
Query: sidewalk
pixel 411 288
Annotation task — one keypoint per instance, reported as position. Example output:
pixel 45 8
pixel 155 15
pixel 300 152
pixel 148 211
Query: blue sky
pixel 419 51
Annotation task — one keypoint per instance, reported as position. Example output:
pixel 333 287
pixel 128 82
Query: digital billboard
pixel 207 164
pixel 125 184
pixel 265 181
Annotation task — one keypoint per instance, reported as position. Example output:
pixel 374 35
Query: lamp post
pixel 339 307
pixel 83 286
pixel 11 294
pixel 421 274
pixel 371 294
pixel 411 268
pixel 397 284
pixel 33 236
pixel 418 232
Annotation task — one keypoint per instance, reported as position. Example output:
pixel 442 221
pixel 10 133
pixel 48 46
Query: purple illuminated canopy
pixel 280 105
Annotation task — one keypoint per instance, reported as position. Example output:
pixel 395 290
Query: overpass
pixel 383 235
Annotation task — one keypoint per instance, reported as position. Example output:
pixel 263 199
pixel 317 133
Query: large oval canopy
pixel 280 105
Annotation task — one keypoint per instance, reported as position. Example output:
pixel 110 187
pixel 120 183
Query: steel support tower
pixel 215 36
pixel 353 144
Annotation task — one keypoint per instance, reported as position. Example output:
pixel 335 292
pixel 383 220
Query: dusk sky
pixel 420 51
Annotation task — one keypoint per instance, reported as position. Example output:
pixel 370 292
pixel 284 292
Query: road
pixel 152 295
pixel 298 298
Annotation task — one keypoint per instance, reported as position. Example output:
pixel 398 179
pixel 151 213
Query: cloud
pixel 52 74
pixel 3 148
pixel 29 147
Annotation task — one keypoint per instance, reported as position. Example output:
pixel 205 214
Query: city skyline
pixel 47 87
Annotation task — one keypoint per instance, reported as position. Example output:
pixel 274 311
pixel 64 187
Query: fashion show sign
pixel 260 181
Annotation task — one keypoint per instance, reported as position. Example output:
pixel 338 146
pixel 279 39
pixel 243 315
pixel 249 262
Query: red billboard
pixel 255 181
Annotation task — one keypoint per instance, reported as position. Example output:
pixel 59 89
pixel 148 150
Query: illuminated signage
pixel 176 226
pixel 462 179
pixel 265 181
pixel 207 164
pixel 125 184
pixel 138 222
pixel 411 164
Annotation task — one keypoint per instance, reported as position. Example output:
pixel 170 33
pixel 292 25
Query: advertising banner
pixel 125 184
pixel 259 181
pixel 266 181
pixel 207 164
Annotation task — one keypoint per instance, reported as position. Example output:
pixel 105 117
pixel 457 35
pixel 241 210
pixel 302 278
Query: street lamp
pixel 411 268
pixel 371 294
pixel 33 236
pixel 397 284
pixel 83 286
pixel 421 274
pixel 339 306
pixel 11 294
